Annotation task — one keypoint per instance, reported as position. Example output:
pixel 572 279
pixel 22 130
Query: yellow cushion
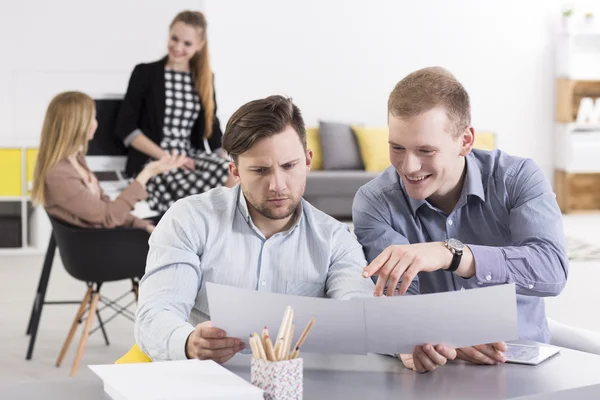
pixel 374 147
pixel 313 142
pixel 134 355
pixel 485 140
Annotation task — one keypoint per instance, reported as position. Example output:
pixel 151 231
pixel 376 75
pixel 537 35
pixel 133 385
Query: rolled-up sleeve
pixel 344 279
pixel 373 228
pixel 537 262
pixel 170 286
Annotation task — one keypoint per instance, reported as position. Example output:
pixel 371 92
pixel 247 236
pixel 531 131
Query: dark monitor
pixel 105 141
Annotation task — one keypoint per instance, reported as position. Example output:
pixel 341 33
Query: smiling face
pixel 427 154
pixel 184 42
pixel 272 174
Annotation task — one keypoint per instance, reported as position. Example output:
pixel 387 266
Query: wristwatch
pixel 456 247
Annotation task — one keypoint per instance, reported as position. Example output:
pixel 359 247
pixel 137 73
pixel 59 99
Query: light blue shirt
pixel 507 215
pixel 211 238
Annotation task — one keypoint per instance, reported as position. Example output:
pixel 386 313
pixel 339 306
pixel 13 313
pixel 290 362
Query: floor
pixel 577 306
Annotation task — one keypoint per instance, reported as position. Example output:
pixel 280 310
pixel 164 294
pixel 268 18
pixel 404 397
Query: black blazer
pixel 144 108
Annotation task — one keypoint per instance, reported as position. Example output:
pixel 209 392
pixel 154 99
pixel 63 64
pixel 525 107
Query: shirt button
pixel 263 283
pixel 450 222
pixel 530 286
pixel 488 278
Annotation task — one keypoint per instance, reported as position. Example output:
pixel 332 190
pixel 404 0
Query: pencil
pixel 288 342
pixel 259 346
pixel 286 336
pixel 265 333
pixel 253 347
pixel 269 349
pixel 294 354
pixel 281 331
pixel 303 336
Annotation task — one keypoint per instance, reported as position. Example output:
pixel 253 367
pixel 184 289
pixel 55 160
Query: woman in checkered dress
pixel 170 105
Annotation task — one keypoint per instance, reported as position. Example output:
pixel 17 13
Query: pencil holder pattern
pixel 280 380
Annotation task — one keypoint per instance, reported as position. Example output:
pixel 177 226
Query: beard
pixel 269 211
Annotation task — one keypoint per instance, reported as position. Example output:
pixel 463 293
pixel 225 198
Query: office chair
pixel 96 256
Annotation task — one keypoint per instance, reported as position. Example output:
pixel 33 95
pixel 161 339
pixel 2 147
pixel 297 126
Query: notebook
pixel 174 380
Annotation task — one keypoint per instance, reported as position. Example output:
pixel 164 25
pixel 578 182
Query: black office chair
pixel 95 256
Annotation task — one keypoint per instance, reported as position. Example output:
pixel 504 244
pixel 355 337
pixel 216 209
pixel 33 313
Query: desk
pixel 569 375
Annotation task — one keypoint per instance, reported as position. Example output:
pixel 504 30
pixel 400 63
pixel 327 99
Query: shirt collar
pixel 243 207
pixel 473 185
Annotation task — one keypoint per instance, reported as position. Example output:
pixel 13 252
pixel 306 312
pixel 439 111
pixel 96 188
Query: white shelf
pixel 576 151
pixel 584 128
pixel 582 34
pixel 14 143
pixel 13 198
pixel 35 226
pixel 22 251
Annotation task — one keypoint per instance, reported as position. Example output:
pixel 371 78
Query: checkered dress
pixel 182 107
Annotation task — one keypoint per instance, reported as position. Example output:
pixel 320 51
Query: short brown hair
pixel 428 88
pixel 260 119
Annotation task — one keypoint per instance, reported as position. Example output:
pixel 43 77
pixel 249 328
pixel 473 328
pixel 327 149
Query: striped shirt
pixel 507 215
pixel 211 238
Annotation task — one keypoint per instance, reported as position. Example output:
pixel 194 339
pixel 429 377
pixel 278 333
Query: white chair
pixel 574 338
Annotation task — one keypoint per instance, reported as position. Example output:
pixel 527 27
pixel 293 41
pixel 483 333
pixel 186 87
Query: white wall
pixel 339 59
pixel 52 46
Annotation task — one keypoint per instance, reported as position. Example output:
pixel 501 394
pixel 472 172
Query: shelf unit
pixel 17 163
pixel 577 145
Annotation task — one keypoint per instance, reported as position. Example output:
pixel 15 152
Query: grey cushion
pixel 333 191
pixel 339 146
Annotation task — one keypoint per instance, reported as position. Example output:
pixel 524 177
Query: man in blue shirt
pixel 447 217
pixel 259 235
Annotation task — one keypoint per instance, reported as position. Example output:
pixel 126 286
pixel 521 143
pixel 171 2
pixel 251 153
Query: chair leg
pixel 135 289
pixel 40 297
pixel 82 307
pixel 86 333
pixel 102 328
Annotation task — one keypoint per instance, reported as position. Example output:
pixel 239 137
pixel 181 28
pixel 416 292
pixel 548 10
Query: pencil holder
pixel 280 380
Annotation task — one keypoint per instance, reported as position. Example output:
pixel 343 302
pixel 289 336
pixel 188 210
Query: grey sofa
pixel 333 191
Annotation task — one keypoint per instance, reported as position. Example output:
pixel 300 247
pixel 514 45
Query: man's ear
pixel 309 156
pixel 467 139
pixel 234 171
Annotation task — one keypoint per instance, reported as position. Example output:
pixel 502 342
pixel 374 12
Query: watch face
pixel 455 244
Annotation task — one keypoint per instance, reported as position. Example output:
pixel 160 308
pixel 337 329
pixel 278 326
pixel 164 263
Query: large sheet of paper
pixel 377 325
pixel 458 319
pixel 175 380
pixel 339 327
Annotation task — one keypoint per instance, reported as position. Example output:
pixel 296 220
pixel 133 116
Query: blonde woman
pixel 170 105
pixel 64 184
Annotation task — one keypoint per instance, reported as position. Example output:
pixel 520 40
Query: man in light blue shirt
pixel 258 235
pixel 446 217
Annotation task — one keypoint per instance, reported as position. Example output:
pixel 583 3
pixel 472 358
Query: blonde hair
pixel 65 131
pixel 428 88
pixel 200 66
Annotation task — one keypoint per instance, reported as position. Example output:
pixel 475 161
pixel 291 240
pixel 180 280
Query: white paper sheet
pixel 383 325
pixel 458 319
pixel 175 380
pixel 339 326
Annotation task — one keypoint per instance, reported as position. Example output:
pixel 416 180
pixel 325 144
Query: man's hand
pixel 406 261
pixel 427 357
pixel 487 354
pixel 208 343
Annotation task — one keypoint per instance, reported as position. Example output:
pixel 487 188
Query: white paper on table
pixel 461 318
pixel 339 326
pixel 174 380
